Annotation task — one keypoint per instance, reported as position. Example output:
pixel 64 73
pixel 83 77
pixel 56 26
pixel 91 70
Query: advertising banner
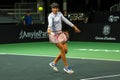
pixel 19 33
pixel 104 32
pixel 98 32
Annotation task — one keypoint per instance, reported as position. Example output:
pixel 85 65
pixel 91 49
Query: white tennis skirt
pixel 58 37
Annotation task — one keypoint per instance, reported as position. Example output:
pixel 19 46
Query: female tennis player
pixel 58 37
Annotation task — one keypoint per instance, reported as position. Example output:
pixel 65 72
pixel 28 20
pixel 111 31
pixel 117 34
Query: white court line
pixel 98 50
pixel 101 77
pixel 35 55
pixel 22 54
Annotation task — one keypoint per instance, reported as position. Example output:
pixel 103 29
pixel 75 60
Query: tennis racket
pixel 63 37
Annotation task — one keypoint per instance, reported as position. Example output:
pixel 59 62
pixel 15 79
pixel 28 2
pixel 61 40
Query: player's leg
pixel 63 50
pixel 59 55
pixel 62 53
pixel 67 69
pixel 57 58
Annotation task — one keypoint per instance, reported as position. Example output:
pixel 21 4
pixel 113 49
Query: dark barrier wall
pixel 98 32
pixel 19 33
pixel 89 32
pixel 105 17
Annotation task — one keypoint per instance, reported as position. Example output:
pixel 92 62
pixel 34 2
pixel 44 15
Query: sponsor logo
pixel 113 18
pixel 33 35
pixel 106 32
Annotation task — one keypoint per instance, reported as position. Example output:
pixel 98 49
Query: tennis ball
pixel 40 8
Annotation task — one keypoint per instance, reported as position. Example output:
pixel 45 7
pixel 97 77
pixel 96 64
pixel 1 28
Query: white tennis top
pixel 55 21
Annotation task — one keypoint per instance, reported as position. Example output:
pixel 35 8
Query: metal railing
pixel 19 10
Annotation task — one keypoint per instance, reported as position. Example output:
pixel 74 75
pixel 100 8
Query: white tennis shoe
pixel 53 66
pixel 68 70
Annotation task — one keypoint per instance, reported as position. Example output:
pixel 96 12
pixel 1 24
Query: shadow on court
pixel 14 67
